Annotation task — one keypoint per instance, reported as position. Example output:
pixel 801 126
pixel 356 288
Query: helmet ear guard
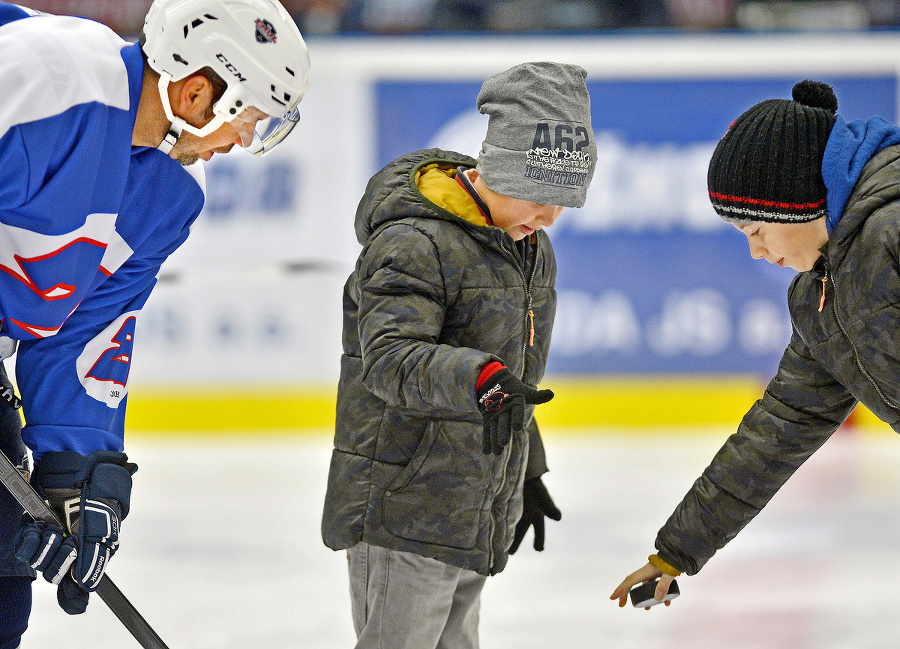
pixel 178 125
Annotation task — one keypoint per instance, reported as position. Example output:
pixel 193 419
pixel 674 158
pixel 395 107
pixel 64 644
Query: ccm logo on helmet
pixel 231 68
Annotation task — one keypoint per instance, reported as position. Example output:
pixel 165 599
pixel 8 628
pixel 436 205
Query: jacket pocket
pixel 440 495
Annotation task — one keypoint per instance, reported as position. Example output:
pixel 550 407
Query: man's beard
pixel 181 151
pixel 185 159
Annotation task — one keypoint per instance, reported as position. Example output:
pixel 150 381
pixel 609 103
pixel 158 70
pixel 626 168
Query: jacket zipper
pixel 822 300
pixel 507 455
pixel 529 312
pixel 530 319
pixel 530 342
pixel 837 317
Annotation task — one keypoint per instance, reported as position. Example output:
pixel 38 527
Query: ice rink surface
pixel 222 551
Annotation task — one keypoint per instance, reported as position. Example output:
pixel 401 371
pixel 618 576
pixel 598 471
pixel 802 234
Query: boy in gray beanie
pixel 436 472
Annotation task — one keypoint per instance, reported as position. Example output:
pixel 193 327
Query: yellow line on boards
pixel 649 401
pixel 580 402
pixel 230 409
pixel 581 405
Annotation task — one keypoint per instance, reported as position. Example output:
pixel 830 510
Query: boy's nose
pixel 546 220
pixel 757 251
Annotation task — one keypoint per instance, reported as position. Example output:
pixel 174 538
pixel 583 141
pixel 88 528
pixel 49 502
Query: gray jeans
pixel 401 600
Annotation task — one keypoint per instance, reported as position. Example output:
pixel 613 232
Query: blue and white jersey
pixel 86 221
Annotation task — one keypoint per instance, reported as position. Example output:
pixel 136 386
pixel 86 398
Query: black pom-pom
pixel 815 94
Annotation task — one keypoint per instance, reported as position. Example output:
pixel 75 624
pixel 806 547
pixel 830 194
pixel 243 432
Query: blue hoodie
pixel 849 148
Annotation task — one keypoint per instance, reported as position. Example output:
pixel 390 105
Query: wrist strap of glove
pixel 65 474
pixel 70 470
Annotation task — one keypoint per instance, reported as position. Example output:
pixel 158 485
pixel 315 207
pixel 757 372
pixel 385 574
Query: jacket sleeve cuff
pixel 537 459
pixel 662 566
pixel 487 372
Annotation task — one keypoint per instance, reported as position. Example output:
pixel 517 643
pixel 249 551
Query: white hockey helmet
pixel 253 45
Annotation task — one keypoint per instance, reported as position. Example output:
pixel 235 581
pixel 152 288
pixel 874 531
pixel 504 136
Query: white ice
pixel 222 551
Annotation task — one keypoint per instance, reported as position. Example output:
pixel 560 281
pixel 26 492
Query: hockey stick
pixel 22 491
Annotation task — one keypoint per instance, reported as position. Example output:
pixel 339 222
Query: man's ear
pixel 191 99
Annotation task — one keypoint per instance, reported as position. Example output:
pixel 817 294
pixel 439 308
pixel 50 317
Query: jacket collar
pixel 876 187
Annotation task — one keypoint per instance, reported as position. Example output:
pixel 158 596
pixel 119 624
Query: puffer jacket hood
pixel 875 188
pixel 391 196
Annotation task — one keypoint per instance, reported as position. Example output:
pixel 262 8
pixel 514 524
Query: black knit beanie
pixel 768 166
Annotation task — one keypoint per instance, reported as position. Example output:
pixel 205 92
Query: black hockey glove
pixel 501 400
pixel 91 495
pixel 536 505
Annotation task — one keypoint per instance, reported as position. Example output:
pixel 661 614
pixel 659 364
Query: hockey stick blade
pixel 128 615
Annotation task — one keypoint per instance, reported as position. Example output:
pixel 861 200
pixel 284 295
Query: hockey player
pixel 821 196
pixel 94 196
pixel 447 322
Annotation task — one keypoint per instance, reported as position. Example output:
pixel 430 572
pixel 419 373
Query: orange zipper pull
pixel 531 338
pixel 822 301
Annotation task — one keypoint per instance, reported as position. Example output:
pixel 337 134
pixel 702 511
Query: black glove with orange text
pixel 501 400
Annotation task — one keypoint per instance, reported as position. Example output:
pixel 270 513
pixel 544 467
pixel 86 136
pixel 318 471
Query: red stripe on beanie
pixel 765 203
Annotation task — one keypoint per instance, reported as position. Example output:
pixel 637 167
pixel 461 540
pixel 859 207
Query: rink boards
pixel 663 317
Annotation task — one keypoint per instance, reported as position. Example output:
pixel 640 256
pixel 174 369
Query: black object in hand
pixel 642 596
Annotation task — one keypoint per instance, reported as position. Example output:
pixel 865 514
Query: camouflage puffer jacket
pixel 433 299
pixel 847 352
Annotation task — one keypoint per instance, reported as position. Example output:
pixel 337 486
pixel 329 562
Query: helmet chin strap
pixel 177 124
pixel 172 135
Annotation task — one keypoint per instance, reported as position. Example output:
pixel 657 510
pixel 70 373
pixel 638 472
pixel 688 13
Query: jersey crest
pixel 105 363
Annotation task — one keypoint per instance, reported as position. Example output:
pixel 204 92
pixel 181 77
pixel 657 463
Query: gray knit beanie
pixel 539 145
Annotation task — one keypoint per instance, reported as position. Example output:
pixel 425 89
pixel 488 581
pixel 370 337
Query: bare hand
pixel 642 576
